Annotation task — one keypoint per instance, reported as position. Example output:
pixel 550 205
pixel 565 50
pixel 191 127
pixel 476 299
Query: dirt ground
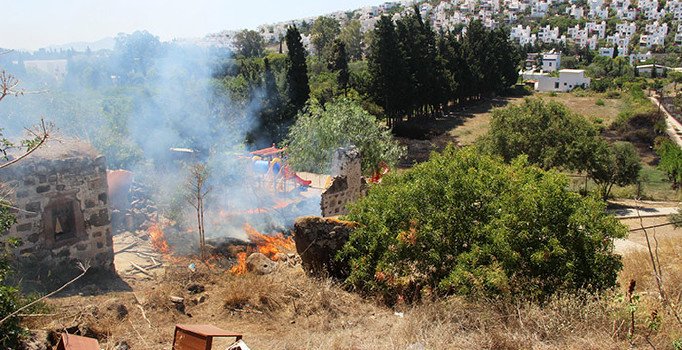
pixel 467 124
pixel 463 126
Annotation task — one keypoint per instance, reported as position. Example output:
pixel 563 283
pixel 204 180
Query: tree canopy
pixel 298 88
pixel 466 223
pixel 546 132
pixel 319 130
pixel 249 43
pixel 616 164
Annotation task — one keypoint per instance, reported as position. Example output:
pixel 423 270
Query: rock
pixel 317 242
pixel 195 288
pixel 281 257
pixel 260 264
pixel 122 345
pixel 177 300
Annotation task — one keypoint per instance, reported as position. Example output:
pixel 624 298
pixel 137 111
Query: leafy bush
pixel 616 164
pixel 548 133
pixel 465 223
pixel 10 297
pixel 671 160
pixel 320 130
pixel 599 102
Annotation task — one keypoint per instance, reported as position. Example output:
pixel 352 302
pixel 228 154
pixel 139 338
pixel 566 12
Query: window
pixel 63 221
pixel 556 85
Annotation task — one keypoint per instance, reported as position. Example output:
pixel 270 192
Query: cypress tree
pixel 387 70
pixel 339 63
pixel 298 89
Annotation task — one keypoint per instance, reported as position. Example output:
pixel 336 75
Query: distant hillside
pixel 101 44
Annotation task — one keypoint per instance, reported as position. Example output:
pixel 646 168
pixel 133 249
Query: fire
pixel 268 245
pixel 158 240
pixel 240 267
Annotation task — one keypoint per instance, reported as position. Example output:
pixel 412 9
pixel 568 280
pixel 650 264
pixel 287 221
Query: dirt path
pixel 673 126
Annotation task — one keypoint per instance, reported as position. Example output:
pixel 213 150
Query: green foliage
pixel 599 102
pixel 298 89
pixel 546 132
pixel 617 164
pixel 387 68
pixel 670 161
pixel 339 63
pixel 249 43
pixel 351 36
pixel 320 130
pixel 10 297
pixel 322 34
pixel 469 224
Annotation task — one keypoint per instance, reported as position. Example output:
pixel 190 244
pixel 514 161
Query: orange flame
pixel 268 245
pixel 158 239
pixel 240 267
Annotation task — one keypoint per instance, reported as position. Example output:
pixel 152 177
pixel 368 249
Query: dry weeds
pixel 289 310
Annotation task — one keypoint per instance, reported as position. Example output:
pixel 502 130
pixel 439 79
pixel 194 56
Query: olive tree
pixel 319 130
pixel 616 164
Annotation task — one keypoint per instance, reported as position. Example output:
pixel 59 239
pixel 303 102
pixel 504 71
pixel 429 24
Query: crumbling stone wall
pixel 63 214
pixel 317 242
pixel 348 184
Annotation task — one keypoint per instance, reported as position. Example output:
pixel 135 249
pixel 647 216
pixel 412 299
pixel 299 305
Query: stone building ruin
pixel 347 185
pixel 61 200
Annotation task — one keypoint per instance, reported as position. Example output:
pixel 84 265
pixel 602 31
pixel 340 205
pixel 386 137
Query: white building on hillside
pixel 551 61
pixel 567 80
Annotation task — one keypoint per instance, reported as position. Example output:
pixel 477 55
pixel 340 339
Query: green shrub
pixel 466 223
pixel 10 297
pixel 599 102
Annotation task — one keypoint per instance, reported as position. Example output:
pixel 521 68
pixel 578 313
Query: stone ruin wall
pixel 67 184
pixel 348 184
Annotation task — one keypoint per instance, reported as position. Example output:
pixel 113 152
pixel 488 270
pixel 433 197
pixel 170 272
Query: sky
pixel 32 24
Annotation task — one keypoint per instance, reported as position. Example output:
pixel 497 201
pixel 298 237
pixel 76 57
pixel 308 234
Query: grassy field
pixel 475 121
pixel 595 106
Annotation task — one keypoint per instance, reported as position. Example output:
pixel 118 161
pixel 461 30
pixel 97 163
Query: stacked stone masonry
pixel 63 212
pixel 348 184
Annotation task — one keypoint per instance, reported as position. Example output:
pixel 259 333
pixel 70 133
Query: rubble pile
pixel 137 212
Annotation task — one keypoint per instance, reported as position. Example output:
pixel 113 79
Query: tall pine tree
pixel 387 70
pixel 298 88
pixel 339 64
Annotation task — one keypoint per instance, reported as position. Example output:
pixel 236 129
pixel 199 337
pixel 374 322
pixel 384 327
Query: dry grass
pixel 289 310
pixel 475 120
pixel 585 104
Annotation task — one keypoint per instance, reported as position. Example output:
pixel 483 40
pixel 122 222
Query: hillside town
pixel 631 29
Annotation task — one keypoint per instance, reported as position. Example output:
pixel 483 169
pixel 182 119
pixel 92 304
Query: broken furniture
pixel 76 342
pixel 198 337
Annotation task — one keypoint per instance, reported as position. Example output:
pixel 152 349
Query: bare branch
pixel 83 268
pixel 42 132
